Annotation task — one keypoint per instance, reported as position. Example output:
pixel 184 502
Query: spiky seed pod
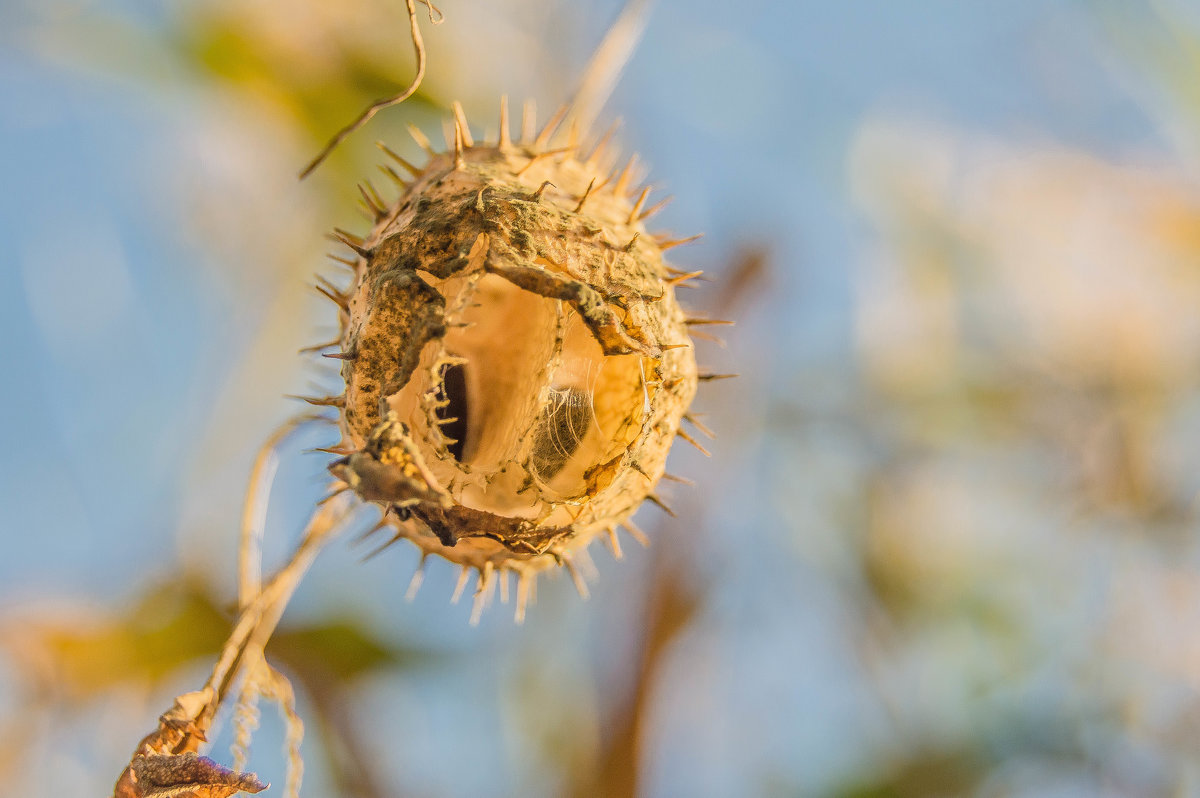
pixel 516 363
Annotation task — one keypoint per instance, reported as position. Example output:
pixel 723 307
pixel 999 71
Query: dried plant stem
pixel 379 105
pixel 280 690
pixel 183 727
pixel 261 678
pixel 260 617
pixel 604 69
pixel 254 511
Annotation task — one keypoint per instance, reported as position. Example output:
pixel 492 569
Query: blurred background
pixel 947 542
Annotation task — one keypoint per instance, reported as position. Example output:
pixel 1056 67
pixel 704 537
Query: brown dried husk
pixel 512 284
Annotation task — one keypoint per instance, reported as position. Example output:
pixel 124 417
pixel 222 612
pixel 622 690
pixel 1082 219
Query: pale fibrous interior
pixel 524 402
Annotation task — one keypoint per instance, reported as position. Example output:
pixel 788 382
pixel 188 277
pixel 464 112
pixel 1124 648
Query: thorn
pixel 655 208
pixel 320 401
pixel 338 234
pixel 483 592
pixel 383 521
pixel 587 193
pixel 382 548
pixel 486 576
pixel 695 422
pixel 395 156
pixel 540 156
pixel 375 194
pixel 587 565
pixel 377 210
pixel 417 578
pixel 477 605
pixel 710 377
pixel 319 347
pixel 344 261
pixel 669 347
pixel 683 278
pixel 600 186
pixel 331 288
pixel 372 198
pixel 331 450
pixel 626 174
pixel 524 580
pixel 636 533
pixel 339 355
pixel 638 468
pixel 394 176
pixel 637 206
pixel 629 247
pixel 707 336
pixel 528 121
pixel 614 543
pixel 421 139
pixel 460 122
pixel 354 242
pixel 602 145
pixel 576 577
pixel 476 609
pixel 336 299
pixel 696 322
pixel 551 126
pixel 461 584
pixel 662 505
pixel 503 578
pixel 537 195
pixel 333 495
pixel 460 144
pixel 679 479
pixel 678 242
pixel 505 140
pixel 683 434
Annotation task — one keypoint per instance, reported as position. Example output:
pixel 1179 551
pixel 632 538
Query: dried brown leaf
pixel 189 776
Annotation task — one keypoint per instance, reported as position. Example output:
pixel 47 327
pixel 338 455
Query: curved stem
pixel 254 510
pixel 379 105
pixel 183 727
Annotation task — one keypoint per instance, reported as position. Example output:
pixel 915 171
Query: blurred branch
pixel 670 606
pixel 604 70
pixel 744 279
pixel 354 773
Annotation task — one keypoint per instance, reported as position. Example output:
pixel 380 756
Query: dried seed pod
pixel 516 363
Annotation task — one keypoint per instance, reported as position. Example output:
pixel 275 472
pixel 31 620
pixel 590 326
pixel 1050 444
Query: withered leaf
pixel 189 776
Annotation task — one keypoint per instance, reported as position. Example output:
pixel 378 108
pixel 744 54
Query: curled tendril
pixel 436 17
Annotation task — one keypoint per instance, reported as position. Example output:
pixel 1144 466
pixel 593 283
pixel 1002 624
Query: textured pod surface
pixel 516 363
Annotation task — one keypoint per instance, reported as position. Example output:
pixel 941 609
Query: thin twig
pixel 254 510
pixel 260 677
pixel 183 727
pixel 260 617
pixel 379 105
